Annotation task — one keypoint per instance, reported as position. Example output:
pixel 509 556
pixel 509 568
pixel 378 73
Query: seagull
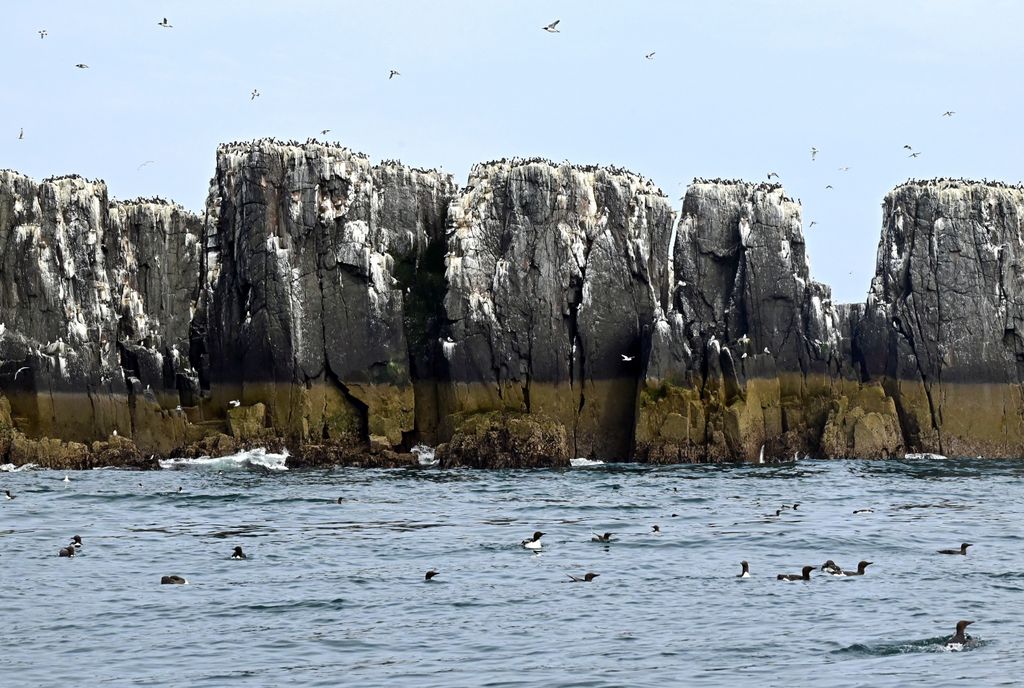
pixel 235 403
pixel 325 132
pixel 773 174
pixel 552 27
pixel 430 574
pixel 828 186
pixel 148 162
pixel 744 355
pixel 649 56
pixel 744 340
pixel 19 371
pixel 66 478
pixel 166 24
pixel 948 113
pixel 255 94
pixel 393 73
pixel 587 578
pixel 814 153
pixel 627 359
pixel 914 155
pixel 178 408
pixel 766 350
pixel 82 65
pixel 42 34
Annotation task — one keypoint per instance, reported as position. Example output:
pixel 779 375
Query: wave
pixel 253 458
pixel 425 455
pixel 583 463
pixel 911 646
pixel 11 468
pixel 925 456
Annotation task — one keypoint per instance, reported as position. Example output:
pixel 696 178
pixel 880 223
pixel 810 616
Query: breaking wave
pixel 254 458
pixel 425 455
pixel 582 463
pixel 11 468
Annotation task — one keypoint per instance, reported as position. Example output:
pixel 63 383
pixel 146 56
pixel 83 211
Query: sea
pixel 334 592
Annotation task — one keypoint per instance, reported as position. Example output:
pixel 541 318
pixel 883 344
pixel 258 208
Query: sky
pixel 735 89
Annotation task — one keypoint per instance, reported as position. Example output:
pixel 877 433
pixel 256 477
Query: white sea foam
pixel 246 459
pixel 11 468
pixel 924 456
pixel 425 454
pixel 581 463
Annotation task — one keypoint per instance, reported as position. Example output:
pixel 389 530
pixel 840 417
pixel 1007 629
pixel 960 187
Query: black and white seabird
pixel 655 529
pixel 962 550
pixel 649 56
pixel 552 27
pixel 8 495
pixel 860 569
pixel 950 113
pixel 76 541
pixel 238 553
pixel 534 542
pixel 68 551
pixel 340 500
pixel 393 73
pixel 806 575
pixel 745 573
pixel 42 34
pixel 607 537
pixel 82 65
pixel 868 510
pixel 430 574
pixel 832 568
pixel 960 638
pixel 165 24
pixel 778 512
pixel 587 578
pixel 173 580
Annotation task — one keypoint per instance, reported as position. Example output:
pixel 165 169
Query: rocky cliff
pixel 349 310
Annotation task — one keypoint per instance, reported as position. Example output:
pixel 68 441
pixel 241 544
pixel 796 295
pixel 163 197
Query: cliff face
pixel 312 253
pixel 942 324
pixel 554 273
pixel 350 310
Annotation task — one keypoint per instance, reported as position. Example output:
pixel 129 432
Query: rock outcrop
pixel 348 311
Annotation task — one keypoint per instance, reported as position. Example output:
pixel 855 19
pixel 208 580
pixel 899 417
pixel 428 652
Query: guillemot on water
pixel 173 580
pixel 7 493
pixel 960 639
pixel 745 573
pixel 430 574
pixel 587 578
pixel 805 575
pixel 860 569
pixel 68 551
pixel 962 550
pixel 607 537
pixel 534 542
pixel 76 541
pixel 238 553
pixel 832 568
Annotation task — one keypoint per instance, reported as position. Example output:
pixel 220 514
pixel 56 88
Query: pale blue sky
pixel 736 89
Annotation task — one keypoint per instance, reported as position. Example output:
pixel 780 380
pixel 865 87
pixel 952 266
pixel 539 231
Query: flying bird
pixel 82 65
pixel 42 34
pixel 914 155
pixel 148 162
pixel 325 132
pixel 908 147
pixel 948 113
pixel 844 169
pixel 21 133
pixel 255 94
pixel 814 153
pixel 552 27
pixel 828 186
pixel 393 73
pixel 627 359
pixel 649 56
pixel 166 24
pixel 235 403
pixel 812 224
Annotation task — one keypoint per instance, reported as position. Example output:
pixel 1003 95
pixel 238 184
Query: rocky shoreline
pixel 348 311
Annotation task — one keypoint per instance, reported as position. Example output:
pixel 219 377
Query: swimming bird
pixel 745 573
pixel 8 495
pixel 860 569
pixel 778 512
pixel 869 510
pixel 166 24
pixel 960 638
pixel 254 95
pixel 744 355
pixel 19 371
pixel 76 541
pixel 805 575
pixel 794 507
pixel 66 478
pixel 832 568
pixel 238 553
pixel 655 529
pixel 587 578
pixel 649 56
pixel 534 542
pixel 627 359
pixel 68 551
pixel 173 580
pixel 430 574
pixel 235 403
pixel 552 27
pixel 607 537
pixel 962 550
pixel 42 34
pixel 393 73
pixel 82 65
pixel 814 153
pixel 950 113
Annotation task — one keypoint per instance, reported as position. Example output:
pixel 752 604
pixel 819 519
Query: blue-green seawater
pixel 333 594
